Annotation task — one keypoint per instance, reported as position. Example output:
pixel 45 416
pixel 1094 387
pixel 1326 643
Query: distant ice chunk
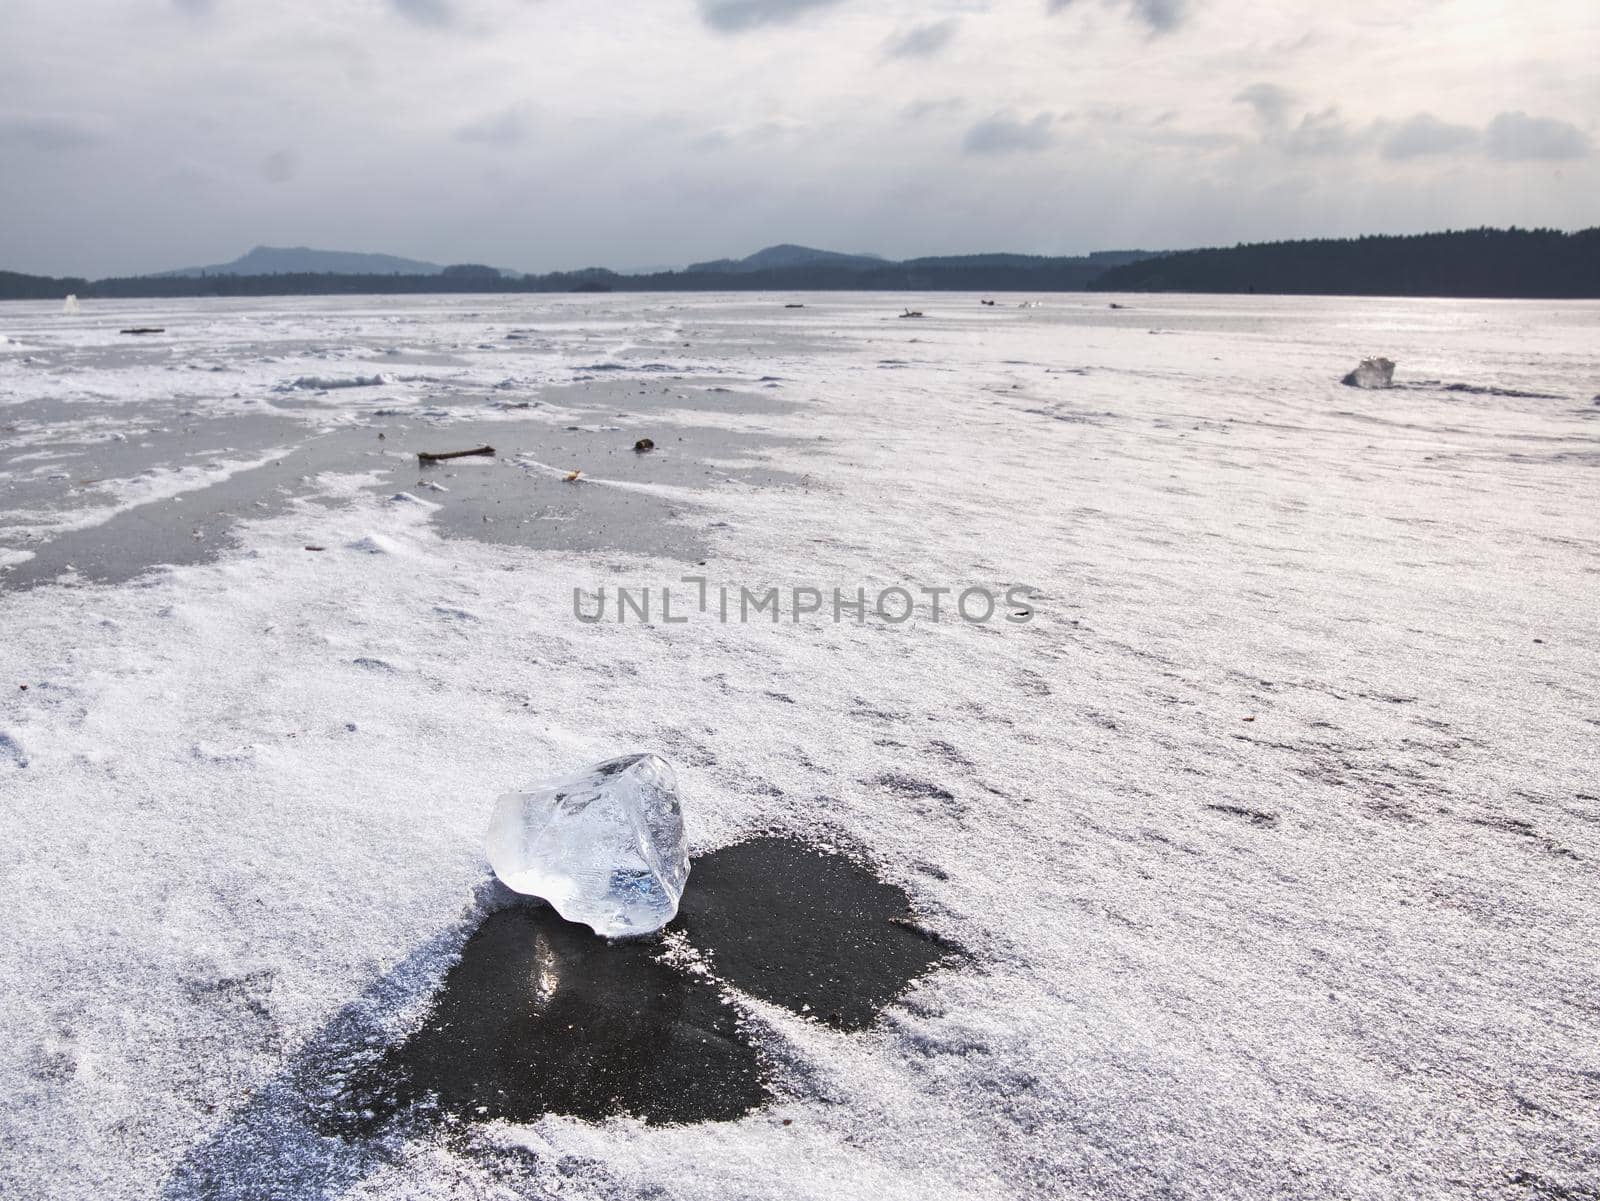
pixel 1372 373
pixel 605 847
pixel 375 544
pixel 322 383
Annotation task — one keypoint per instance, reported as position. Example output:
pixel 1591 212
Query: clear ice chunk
pixel 605 847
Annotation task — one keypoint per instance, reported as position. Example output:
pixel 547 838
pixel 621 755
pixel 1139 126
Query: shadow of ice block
pixel 536 1015
pixel 540 1016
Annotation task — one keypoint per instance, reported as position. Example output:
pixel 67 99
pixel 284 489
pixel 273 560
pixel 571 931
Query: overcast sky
pixel 137 135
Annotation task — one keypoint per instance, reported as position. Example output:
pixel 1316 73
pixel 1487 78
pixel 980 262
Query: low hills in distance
pixel 297 260
pixel 1508 263
pixel 786 255
pixel 302 260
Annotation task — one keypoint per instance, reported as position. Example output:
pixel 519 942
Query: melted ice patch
pixel 149 487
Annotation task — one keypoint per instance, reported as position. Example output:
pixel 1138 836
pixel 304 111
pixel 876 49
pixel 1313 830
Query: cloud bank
pixel 549 134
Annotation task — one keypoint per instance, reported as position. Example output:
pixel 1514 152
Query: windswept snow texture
pixel 1270 837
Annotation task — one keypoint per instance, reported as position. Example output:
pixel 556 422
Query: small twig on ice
pixel 424 456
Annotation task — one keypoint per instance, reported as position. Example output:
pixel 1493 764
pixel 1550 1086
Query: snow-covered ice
pixel 1271 838
pixel 604 846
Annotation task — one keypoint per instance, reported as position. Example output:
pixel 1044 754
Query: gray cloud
pixel 774 129
pixel 1270 102
pixel 1324 133
pixel 280 166
pixel 1517 137
pixel 1163 16
pixel 47 133
pixel 1006 133
pixel 503 129
pixel 919 110
pixel 1425 134
pixel 550 169
pixel 437 13
pixel 1510 137
pixel 922 41
pixel 736 16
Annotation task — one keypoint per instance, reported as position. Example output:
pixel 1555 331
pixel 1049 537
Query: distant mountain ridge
pixel 786 254
pixel 298 260
pixel 268 270
pixel 1541 263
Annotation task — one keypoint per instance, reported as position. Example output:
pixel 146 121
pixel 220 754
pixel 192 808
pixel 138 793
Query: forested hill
pixel 961 273
pixel 16 286
pixel 1483 262
pixel 1478 262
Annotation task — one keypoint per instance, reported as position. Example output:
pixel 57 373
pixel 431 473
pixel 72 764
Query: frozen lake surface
pixel 1259 860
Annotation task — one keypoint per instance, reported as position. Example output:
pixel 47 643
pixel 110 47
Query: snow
pixel 1272 836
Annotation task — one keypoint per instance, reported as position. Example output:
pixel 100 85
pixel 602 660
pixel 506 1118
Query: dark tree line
pixel 1481 262
pixel 16 286
pixel 997 273
pixel 1544 263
